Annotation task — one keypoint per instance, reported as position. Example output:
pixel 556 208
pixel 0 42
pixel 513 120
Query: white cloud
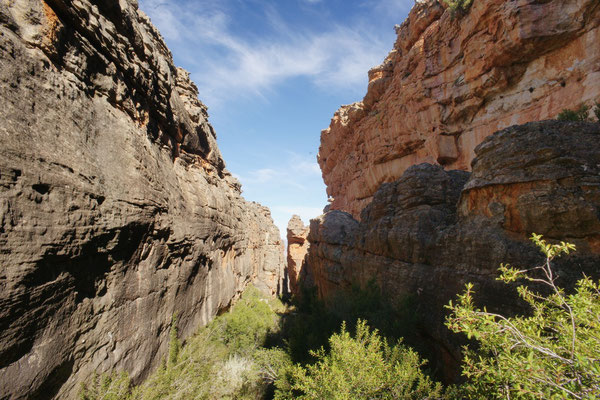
pixel 227 62
pixel 295 177
pixel 302 165
pixel 292 173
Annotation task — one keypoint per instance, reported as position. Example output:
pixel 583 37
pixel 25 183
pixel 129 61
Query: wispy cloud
pixel 296 170
pixel 295 177
pixel 226 61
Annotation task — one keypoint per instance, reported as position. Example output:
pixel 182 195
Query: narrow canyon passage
pixel 131 259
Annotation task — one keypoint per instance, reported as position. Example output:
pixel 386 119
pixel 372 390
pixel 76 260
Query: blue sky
pixel 272 74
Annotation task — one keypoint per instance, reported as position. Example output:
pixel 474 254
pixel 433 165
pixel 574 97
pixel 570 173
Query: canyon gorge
pixel 116 209
pixel 429 192
pixel 118 214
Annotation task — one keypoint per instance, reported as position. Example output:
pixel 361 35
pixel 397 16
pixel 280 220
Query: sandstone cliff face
pixel 427 234
pixel 451 81
pixel 116 210
pixel 297 248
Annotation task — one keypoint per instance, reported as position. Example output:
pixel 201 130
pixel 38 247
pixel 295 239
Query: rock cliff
pixel 297 247
pixel 116 210
pixel 452 80
pixel 428 233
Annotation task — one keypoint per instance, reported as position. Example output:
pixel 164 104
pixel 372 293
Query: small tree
pixel 554 353
pixel 361 367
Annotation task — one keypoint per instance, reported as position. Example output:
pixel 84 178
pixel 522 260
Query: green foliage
pixel 553 353
pixel 223 360
pixel 597 110
pixel 247 326
pixel 459 5
pixel 360 367
pixel 107 387
pixel 313 321
pixel 581 114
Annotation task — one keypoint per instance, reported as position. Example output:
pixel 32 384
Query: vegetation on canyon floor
pixel 264 349
pixel 360 366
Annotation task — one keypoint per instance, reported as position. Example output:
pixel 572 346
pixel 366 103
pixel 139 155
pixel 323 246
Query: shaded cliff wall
pixel 451 81
pixel 428 233
pixel 116 210
pixel 297 248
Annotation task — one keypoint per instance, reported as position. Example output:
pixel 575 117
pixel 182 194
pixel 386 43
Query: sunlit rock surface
pixel 451 81
pixel 431 231
pixel 116 210
pixel 297 247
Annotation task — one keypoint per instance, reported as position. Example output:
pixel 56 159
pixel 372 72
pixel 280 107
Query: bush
pixel 581 114
pixel 552 354
pixel 312 323
pixel 360 367
pixel 248 324
pixel 597 111
pixel 459 5
pixel 223 360
pixel 107 386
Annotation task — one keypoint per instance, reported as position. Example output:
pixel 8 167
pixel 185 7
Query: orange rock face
pixel 451 81
pixel 297 235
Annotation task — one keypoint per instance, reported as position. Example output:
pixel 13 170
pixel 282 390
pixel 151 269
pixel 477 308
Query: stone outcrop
pixel 297 248
pixel 116 210
pixel 452 80
pixel 427 234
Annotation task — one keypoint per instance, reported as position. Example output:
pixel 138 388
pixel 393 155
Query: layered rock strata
pixel 297 248
pixel 452 80
pixel 116 210
pixel 427 234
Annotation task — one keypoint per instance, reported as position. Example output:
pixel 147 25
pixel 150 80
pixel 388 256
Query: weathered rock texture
pixel 428 233
pixel 297 248
pixel 116 211
pixel 451 81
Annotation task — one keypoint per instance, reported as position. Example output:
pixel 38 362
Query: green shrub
pixel 581 114
pixel 459 5
pixel 554 353
pixel 597 111
pixel 360 367
pixel 223 360
pixel 248 324
pixel 313 321
pixel 107 387
pixel 271 363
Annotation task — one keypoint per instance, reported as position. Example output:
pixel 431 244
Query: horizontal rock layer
pixel 116 210
pixel 427 234
pixel 452 80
